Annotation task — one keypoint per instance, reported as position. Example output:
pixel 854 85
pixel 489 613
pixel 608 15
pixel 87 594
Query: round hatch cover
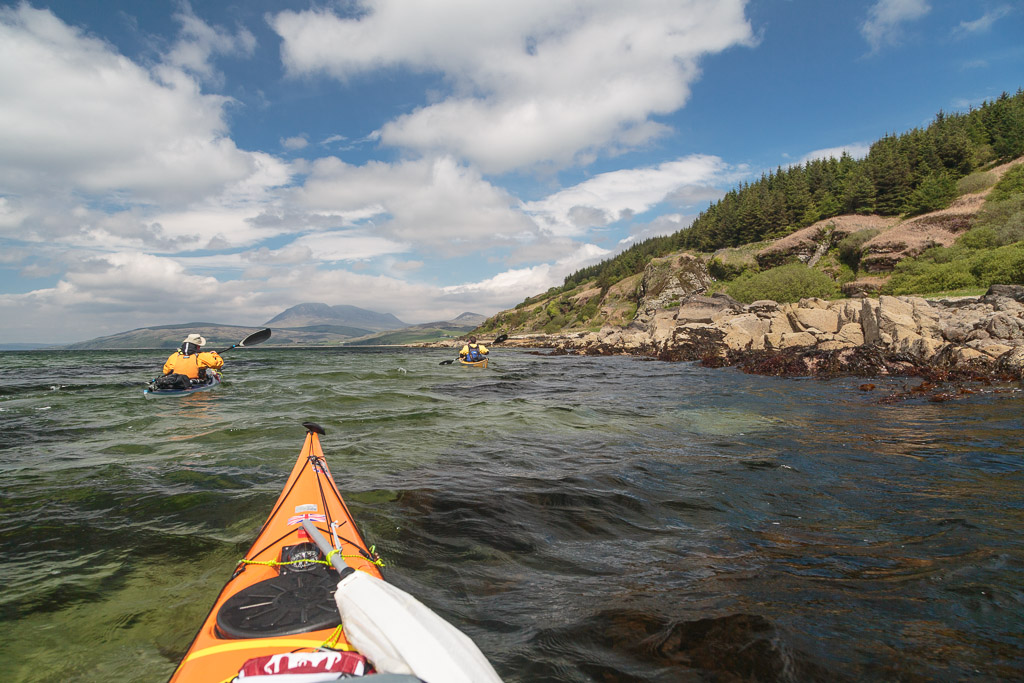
pixel 282 606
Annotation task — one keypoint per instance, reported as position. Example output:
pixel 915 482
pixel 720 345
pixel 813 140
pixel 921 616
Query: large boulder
pixel 745 331
pixel 821 319
pixel 705 309
pixel 1012 362
pixel 1015 292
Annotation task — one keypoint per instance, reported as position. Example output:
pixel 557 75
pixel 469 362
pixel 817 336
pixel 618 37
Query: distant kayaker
pixel 191 360
pixel 472 351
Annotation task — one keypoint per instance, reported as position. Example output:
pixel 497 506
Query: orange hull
pixel 227 639
pixel 474 364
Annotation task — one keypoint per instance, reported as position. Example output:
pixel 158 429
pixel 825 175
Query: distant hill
pixel 318 334
pixel 168 337
pixel 425 332
pixel 317 314
pixel 467 318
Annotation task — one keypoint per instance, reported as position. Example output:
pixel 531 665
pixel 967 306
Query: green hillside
pixel 930 211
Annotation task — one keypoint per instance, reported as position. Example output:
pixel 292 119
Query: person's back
pixel 190 360
pixel 472 351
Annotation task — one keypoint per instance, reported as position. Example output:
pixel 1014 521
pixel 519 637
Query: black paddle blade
pixel 447 362
pixel 255 338
pixel 252 340
pixel 501 338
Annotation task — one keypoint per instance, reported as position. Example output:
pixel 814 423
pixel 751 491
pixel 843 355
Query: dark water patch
pixel 207 480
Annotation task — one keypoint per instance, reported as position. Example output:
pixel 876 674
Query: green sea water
pixel 582 519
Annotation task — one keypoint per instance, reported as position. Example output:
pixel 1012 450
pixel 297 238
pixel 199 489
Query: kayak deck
pixel 474 364
pixel 280 597
pixel 213 381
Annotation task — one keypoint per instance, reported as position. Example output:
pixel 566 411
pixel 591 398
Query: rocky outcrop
pixel 971 336
pixel 808 244
pixel 911 237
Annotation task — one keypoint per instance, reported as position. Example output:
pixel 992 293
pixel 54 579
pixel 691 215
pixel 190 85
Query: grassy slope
pixel 910 242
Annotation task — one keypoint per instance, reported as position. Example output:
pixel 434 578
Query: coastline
pixel 961 339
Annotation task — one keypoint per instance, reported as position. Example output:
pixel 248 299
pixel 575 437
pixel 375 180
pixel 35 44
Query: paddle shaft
pixel 326 548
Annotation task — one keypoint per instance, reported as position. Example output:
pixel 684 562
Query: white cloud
pixel 984 23
pixel 199 42
pixel 331 139
pixel 294 143
pixel 99 295
pixel 352 245
pixel 886 18
pixel 661 226
pixel 75 116
pixel 95 294
pixel 436 204
pixel 857 150
pixel 410 302
pixel 112 170
pixel 512 286
pixel 612 196
pixel 531 82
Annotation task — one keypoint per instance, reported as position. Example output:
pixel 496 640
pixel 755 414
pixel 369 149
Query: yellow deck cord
pixel 275 563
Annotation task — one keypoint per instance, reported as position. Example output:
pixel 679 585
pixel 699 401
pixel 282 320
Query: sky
pixel 170 162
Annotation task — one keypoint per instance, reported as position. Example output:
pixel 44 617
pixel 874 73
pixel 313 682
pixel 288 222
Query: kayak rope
pixel 375 559
pixel 332 641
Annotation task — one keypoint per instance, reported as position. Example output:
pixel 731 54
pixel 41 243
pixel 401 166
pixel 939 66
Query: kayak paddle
pixel 252 340
pixel 397 632
pixel 497 340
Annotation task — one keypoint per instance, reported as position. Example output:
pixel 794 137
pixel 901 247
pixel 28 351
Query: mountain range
pixel 307 324
pixel 315 314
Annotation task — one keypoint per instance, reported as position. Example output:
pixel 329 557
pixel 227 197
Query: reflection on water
pixel 582 519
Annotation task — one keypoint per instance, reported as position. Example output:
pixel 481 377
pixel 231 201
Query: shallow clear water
pixel 583 519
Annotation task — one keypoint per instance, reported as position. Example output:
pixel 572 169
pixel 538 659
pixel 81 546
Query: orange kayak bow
pixel 280 598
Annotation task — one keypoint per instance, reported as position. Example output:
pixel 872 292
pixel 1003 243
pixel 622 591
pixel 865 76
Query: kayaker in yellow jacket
pixel 191 360
pixel 472 351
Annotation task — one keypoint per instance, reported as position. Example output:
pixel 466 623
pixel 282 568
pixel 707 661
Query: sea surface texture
pixel 582 519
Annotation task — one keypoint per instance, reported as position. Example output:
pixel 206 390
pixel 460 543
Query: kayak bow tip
pixel 314 427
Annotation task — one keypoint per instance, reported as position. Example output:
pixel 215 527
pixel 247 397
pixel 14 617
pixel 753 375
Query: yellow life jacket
pixel 184 365
pixel 189 365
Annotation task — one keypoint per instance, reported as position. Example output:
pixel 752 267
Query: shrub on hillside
pixel 555 324
pixel 851 247
pixel 979 238
pixel 1005 218
pixel 958 267
pixel 1012 183
pixel 590 309
pixel 1002 266
pixel 720 270
pixel 784 284
pixel 975 182
pixel 924 277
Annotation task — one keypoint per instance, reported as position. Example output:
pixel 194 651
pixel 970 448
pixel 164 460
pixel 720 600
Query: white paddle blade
pixel 399 634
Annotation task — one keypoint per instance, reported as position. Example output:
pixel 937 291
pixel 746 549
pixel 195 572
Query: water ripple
pixel 581 518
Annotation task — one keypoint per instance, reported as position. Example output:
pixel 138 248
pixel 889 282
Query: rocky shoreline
pixel 966 338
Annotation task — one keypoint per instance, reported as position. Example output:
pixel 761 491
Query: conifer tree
pixel 890 173
pixel 858 192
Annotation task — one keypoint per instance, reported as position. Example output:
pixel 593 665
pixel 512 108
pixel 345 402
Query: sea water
pixel 582 519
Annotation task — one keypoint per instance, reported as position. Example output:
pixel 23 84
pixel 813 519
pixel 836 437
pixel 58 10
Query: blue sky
pixel 170 162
